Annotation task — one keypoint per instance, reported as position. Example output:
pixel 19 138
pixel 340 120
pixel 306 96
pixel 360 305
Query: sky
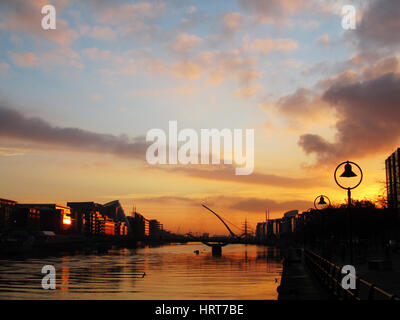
pixel 77 102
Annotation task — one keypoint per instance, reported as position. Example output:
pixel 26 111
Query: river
pixel 171 272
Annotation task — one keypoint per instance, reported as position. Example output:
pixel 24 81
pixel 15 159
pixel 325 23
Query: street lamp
pixel 322 202
pixel 349 173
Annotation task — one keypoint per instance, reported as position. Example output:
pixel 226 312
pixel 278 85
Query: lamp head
pixel 322 200
pixel 348 171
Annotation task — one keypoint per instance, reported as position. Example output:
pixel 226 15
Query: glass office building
pixel 393 180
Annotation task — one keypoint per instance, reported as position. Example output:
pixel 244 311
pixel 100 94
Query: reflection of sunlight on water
pixel 64 274
pixel 64 278
pixel 171 272
pixel 146 260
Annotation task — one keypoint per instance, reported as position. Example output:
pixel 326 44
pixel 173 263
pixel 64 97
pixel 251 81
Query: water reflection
pixel 164 272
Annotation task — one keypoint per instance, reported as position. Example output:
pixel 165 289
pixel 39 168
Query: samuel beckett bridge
pixel 216 243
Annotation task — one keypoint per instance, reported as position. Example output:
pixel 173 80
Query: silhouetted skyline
pixel 76 102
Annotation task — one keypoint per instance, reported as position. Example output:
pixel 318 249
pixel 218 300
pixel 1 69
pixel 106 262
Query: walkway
pixel 297 283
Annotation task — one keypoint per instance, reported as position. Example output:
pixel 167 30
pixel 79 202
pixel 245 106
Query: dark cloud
pixel 303 103
pixel 15 125
pixel 36 130
pixel 369 115
pixel 380 25
pixel 390 64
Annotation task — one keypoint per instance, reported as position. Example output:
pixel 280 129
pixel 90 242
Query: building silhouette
pixel 392 165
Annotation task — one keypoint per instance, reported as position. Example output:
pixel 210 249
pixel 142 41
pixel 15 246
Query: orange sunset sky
pixel 76 102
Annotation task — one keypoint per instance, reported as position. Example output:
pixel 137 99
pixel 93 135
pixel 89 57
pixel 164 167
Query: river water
pixel 168 272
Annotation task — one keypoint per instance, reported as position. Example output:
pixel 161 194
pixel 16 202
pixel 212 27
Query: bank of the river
pixel 297 283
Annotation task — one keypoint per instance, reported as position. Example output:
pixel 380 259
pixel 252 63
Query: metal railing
pixel 330 277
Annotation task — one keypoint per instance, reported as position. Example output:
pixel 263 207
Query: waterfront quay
pixel 85 226
pixel 321 246
pixel 314 245
pixel 308 276
pixel 297 281
pixel 323 241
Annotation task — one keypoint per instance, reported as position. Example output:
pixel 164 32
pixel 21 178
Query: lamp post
pixel 320 205
pixel 348 173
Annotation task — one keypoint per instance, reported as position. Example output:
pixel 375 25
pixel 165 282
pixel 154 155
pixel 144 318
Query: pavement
pixel 386 279
pixel 297 283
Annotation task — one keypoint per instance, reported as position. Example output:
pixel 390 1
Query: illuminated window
pixel 66 219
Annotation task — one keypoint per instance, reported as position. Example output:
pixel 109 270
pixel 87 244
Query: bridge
pixel 215 243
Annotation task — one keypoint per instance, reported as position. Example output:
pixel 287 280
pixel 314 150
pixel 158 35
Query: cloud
pixel 291 63
pixel 126 63
pixel 301 108
pixel 185 43
pixel 227 173
pixel 224 203
pixel 153 65
pixel 346 77
pixel 25 16
pixel 130 12
pixel 274 11
pixel 165 199
pixel 98 32
pixel 132 19
pixel 219 66
pixel 260 205
pixel 233 64
pixel 324 40
pixel 232 21
pixel 213 67
pixel 246 92
pixel 368 120
pixel 265 46
pixel 187 69
pixel 380 26
pixel 11 152
pixel 60 56
pixel 15 125
pixel 27 59
pixel 387 65
pixel 97 54
pixel 361 59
